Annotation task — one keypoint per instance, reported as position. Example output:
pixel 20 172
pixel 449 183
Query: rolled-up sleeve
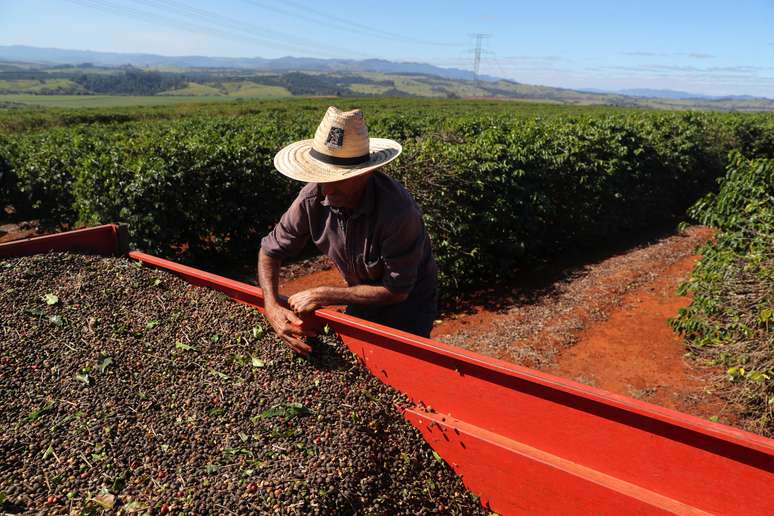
pixel 402 253
pixel 291 233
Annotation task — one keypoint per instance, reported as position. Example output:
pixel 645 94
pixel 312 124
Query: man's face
pixel 345 193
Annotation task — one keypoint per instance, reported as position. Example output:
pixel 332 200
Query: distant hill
pixel 662 94
pixel 668 94
pixel 54 56
pixel 33 72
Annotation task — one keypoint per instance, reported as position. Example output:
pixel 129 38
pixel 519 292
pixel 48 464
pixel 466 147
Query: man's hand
pixel 307 301
pixel 287 325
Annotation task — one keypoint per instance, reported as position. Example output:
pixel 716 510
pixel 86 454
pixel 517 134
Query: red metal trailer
pixel 526 442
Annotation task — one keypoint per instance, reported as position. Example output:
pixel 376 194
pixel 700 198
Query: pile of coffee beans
pixel 127 389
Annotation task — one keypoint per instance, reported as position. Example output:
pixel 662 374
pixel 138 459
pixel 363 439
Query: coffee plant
pixel 730 321
pixel 501 186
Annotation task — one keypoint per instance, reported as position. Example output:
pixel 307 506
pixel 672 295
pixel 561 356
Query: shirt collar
pixel 367 203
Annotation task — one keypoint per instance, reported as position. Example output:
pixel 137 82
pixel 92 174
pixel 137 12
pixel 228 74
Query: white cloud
pixel 717 80
pixel 643 54
pixel 699 55
pixel 691 55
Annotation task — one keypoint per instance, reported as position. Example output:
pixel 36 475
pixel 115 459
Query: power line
pixel 477 53
pixel 129 12
pixel 214 18
pixel 497 62
pixel 326 19
pixel 155 18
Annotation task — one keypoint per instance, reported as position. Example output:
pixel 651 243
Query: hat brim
pixel 295 161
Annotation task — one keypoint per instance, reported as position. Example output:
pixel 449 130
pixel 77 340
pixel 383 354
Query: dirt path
pixel 14 231
pixel 317 272
pixel 635 352
pixel 604 325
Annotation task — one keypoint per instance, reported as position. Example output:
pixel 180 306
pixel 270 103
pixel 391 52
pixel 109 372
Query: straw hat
pixel 340 149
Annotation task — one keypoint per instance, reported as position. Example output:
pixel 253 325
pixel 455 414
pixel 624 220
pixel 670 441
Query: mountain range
pixel 58 56
pixel 666 94
pixel 37 72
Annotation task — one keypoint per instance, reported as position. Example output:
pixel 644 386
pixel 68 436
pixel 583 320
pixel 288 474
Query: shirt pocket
pixel 371 264
pixel 374 269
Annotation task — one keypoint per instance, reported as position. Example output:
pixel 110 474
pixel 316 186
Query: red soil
pixel 636 353
pixel 12 231
pixel 606 326
pixel 324 273
pixel 325 277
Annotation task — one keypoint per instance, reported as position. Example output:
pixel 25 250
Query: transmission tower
pixel 477 52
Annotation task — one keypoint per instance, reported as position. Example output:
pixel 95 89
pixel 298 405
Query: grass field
pixel 29 86
pixel 253 89
pixel 36 112
pixel 246 89
pixel 106 101
pixel 193 89
pixel 369 89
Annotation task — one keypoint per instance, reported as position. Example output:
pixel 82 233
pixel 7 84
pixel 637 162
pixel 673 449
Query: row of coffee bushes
pixel 200 186
pixel 205 186
pixel 498 191
pixel 730 320
pixel 497 195
pixel 14 121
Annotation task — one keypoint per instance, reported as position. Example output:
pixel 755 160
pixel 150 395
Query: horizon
pixel 700 48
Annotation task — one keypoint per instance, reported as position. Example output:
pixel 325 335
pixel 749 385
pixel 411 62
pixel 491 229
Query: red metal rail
pixel 529 442
pixel 109 239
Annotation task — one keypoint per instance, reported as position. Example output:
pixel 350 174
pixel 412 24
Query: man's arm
pixel 402 251
pixel 285 323
pixel 312 299
pixel 287 239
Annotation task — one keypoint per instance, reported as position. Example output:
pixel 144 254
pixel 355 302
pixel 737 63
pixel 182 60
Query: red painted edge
pixel 548 484
pixel 102 240
pixel 702 449
pixel 254 296
pixel 691 467
pixel 663 414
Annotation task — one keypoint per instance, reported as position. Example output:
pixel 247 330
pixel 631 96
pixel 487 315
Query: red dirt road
pixel 327 277
pixel 636 353
pixel 605 325
pixel 10 231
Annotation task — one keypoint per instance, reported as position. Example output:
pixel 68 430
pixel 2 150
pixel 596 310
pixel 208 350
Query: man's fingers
pixel 295 330
pixel 294 301
pixel 305 309
pixel 293 318
pixel 288 327
pixel 299 346
pixel 290 334
pixel 302 302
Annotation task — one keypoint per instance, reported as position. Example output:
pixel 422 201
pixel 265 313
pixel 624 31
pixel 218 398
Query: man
pixel 364 220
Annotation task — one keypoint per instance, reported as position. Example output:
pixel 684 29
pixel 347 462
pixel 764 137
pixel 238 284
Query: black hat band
pixel 335 160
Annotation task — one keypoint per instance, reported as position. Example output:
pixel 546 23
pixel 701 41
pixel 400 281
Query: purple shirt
pixel 381 242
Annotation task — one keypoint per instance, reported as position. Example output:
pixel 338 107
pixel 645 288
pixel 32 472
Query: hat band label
pixel 335 138
pixel 335 160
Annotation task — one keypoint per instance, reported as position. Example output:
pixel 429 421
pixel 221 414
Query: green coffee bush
pixel 730 321
pixel 499 189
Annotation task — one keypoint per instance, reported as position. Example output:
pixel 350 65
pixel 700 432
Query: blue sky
pixel 709 46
